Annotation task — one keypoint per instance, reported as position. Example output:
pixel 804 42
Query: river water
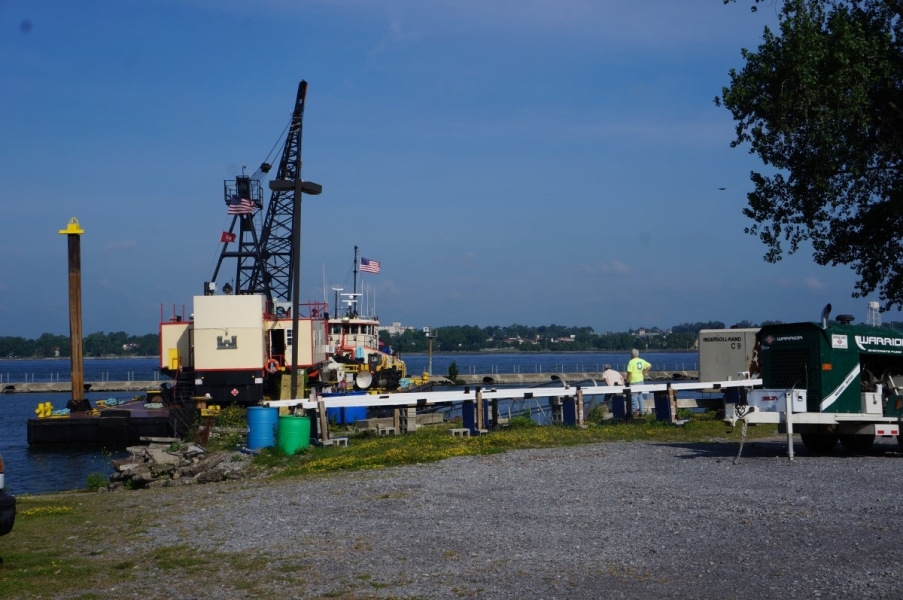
pixel 40 470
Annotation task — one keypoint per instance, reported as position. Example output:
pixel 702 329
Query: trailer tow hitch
pixel 741 412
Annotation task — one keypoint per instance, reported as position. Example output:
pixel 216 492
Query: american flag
pixel 369 266
pixel 240 206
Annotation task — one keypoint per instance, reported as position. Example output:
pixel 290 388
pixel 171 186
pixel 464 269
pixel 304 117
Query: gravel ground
pixel 618 520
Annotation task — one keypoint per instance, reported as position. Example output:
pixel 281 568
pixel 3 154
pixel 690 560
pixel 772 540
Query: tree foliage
pixel 546 338
pixel 821 104
pixel 96 344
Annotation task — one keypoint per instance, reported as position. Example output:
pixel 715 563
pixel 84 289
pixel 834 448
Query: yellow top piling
pixel 72 228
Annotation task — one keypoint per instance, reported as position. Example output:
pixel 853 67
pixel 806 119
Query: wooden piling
pixel 73 233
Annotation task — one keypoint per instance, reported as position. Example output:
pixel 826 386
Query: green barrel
pixel 293 434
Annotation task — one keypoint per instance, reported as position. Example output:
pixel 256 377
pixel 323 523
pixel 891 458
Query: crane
pixel 266 251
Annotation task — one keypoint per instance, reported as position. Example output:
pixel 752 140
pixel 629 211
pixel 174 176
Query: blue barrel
pixel 662 408
pixel 262 427
pixel 353 414
pixel 346 415
pixel 617 407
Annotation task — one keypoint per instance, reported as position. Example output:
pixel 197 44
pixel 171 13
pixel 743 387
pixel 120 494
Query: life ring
pixel 272 365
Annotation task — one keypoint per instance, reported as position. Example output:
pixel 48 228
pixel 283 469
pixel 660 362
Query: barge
pixel 122 424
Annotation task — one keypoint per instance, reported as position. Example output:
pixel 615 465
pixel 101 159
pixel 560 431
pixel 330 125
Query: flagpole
pixel 357 261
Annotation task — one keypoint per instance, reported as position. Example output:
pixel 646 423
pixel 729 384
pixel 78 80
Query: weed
pixel 233 423
pixel 96 481
pixel 522 421
pixel 598 414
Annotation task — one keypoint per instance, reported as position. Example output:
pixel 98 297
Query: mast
pixel 356 263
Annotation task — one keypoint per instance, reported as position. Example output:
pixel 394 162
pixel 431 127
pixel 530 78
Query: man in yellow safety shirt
pixel 636 371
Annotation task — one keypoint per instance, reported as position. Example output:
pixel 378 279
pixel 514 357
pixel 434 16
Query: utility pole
pixel 300 187
pixel 429 336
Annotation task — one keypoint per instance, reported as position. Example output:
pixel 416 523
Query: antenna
pixel 335 305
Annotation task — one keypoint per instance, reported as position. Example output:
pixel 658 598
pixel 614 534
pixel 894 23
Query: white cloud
pixel 612 267
pixel 814 284
pixel 466 258
pixel 120 246
pixel 108 285
pixel 396 37
pixel 601 23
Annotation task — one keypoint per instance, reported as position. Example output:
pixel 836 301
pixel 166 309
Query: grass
pixel 431 444
pixel 86 545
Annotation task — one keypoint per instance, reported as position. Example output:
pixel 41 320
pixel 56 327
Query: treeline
pixel 469 338
pixel 546 338
pixel 451 338
pixel 97 344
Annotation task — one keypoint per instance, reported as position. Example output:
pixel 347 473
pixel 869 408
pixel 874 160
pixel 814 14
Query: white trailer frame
pixel 847 423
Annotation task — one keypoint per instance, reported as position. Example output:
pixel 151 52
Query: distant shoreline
pixel 403 354
pixel 69 358
pixel 528 352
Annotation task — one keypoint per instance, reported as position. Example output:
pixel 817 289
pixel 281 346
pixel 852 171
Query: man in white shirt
pixel 609 377
pixel 612 377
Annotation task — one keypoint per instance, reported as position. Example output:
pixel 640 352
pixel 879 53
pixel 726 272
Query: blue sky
pixel 528 162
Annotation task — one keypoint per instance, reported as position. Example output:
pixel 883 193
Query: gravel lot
pixel 619 520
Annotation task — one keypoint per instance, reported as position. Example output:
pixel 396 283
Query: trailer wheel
pixel 819 443
pixel 857 444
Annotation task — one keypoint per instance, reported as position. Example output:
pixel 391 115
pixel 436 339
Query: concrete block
pixel 339 441
pixel 383 430
pixel 409 420
pixel 162 457
pixel 461 432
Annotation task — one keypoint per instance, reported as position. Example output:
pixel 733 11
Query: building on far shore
pixel 396 328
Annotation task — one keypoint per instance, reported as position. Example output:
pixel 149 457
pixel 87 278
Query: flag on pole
pixel 369 266
pixel 240 206
pixel 227 237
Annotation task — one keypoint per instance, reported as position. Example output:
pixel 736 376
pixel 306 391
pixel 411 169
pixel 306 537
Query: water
pixel 96 369
pixel 40 470
pixel 147 369
pixel 488 363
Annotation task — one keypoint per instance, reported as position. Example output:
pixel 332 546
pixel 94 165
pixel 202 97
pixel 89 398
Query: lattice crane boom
pixel 277 237
pixel 264 252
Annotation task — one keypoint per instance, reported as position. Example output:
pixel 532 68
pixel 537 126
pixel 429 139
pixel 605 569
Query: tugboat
pixel 357 358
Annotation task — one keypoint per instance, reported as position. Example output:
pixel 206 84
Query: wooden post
pixel 580 419
pixel 481 425
pixel 396 420
pixel 672 400
pixel 323 421
pixel 73 233
pixel 628 404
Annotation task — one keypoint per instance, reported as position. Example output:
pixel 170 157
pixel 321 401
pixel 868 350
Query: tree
pixel 745 324
pixel 453 373
pixel 97 344
pixel 821 103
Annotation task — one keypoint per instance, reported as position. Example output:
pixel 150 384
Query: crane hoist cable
pixel 279 143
